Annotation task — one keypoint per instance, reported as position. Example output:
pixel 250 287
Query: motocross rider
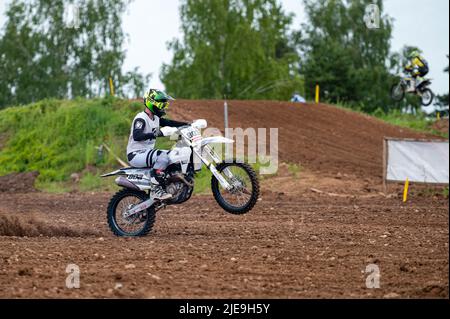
pixel 141 152
pixel 418 68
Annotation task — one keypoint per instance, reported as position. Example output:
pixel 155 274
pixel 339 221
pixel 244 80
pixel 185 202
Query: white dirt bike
pixel 399 90
pixel 235 186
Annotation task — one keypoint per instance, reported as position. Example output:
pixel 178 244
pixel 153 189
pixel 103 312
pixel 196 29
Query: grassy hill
pixel 59 138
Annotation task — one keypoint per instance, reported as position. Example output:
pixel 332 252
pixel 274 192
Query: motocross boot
pixel 158 192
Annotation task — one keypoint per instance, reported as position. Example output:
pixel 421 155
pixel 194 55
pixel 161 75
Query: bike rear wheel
pixel 427 97
pixel 136 225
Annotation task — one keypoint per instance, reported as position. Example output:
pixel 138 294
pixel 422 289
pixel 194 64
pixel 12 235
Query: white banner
pixel 419 161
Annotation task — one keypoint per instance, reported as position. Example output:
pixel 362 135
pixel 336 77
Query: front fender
pixel 216 140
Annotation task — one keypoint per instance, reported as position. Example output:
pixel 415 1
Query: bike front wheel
pixel 245 188
pixel 398 92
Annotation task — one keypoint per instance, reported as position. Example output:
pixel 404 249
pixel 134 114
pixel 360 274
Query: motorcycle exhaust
pixel 123 182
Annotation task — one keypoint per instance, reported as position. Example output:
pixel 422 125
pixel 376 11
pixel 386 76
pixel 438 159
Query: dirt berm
pixel 18 182
pixel 322 138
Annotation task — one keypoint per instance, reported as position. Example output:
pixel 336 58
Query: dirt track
pixel 309 236
pixel 320 137
pixel 312 245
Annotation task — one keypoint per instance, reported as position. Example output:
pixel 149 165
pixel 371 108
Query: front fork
pixel 219 177
pixel 223 182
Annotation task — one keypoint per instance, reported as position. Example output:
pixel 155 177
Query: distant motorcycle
pixel 400 89
pixel 235 186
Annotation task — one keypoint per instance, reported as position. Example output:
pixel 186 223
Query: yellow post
pixel 317 93
pixel 111 86
pixel 438 115
pixel 405 191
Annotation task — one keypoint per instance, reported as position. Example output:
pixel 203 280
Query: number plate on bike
pixel 192 133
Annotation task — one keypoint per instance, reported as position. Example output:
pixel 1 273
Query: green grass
pixel 93 182
pixel 58 138
pixel 294 169
pixel 431 191
pixel 417 122
pixel 203 182
pixel 445 192
pixel 54 187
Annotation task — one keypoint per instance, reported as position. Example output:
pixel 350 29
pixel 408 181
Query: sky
pixel 424 24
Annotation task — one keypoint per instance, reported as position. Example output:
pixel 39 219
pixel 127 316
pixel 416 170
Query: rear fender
pixel 425 84
pixel 118 172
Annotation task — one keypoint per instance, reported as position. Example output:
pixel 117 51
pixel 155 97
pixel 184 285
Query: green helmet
pixel 414 54
pixel 157 101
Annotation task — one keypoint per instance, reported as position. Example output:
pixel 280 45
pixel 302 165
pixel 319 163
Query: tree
pixel 241 45
pixel 348 60
pixel 442 101
pixel 41 56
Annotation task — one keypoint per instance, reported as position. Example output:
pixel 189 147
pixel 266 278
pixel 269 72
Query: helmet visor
pixel 162 105
pixel 163 102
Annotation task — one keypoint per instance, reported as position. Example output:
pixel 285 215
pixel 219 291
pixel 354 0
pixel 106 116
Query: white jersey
pixel 150 126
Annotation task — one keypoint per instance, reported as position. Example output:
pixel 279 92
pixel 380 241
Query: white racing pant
pixel 156 159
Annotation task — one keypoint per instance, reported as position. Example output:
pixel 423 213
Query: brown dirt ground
pixel 322 138
pixel 442 125
pixel 18 182
pixel 311 245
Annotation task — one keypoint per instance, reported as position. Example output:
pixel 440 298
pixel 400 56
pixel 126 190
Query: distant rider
pixel 145 129
pixel 297 98
pixel 418 68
